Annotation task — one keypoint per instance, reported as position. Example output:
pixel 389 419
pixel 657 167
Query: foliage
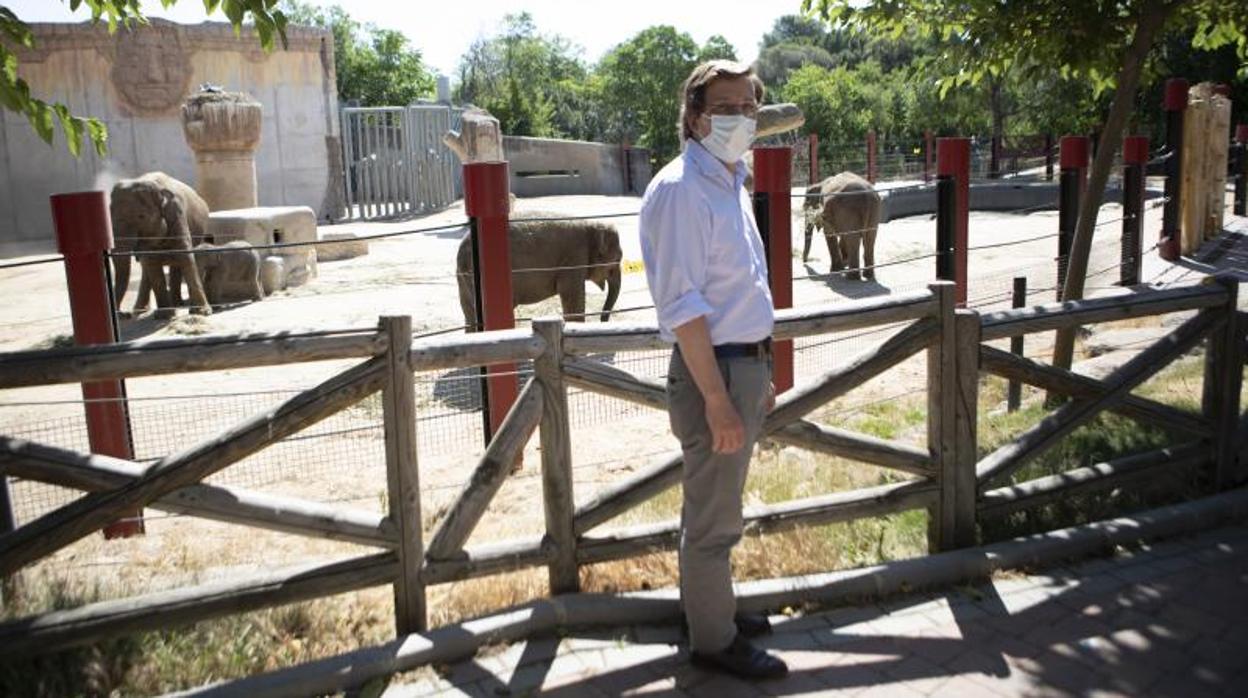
pixel 268 22
pixel 716 47
pixel 377 67
pixel 533 83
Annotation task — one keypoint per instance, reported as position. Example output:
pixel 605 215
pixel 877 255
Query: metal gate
pixel 394 161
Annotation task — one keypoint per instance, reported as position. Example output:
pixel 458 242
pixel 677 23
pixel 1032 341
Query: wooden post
pixel 557 494
pixel 1048 157
pixel 84 235
pixel 994 158
pixel 1014 393
pixel 403 476
pixel 953 174
pixel 812 145
pixel 966 433
pixel 942 386
pixel 1134 160
pixel 1074 161
pixel 1174 103
pixel 8 522
pixel 1224 367
pixel 773 212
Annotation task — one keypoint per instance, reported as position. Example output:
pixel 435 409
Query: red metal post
pixel 1073 159
pixel 84 235
pixel 953 163
pixel 773 209
pixel 1175 104
pixel 871 156
pixel 927 156
pixel 486 203
pixel 812 143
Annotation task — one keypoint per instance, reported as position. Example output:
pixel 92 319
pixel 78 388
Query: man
pixel 708 276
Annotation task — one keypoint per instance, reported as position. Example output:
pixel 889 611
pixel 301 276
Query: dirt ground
pixel 413 275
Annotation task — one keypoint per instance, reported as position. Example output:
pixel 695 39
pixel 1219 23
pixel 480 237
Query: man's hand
pixel 727 430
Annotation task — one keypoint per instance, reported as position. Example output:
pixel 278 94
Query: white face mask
pixel 730 137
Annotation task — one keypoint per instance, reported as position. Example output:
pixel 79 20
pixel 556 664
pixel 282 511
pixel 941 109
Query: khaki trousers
pixel 710 517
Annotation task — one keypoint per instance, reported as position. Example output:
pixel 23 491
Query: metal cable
pixel 32 262
pixel 283 245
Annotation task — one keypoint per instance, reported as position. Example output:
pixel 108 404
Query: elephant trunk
pixel 121 264
pixel 613 292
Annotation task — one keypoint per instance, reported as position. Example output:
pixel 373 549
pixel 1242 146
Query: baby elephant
pixel 548 258
pixel 850 217
pixel 231 272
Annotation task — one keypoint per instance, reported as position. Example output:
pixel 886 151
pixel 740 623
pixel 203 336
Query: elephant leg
pixel 145 290
pixel 868 254
pixel 468 301
pixel 851 256
pixel 175 284
pixel 834 247
pixel 571 287
pixel 198 299
pixel 810 230
pixel 154 273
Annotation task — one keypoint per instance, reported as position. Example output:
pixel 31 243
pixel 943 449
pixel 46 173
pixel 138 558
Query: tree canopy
pixel 16 95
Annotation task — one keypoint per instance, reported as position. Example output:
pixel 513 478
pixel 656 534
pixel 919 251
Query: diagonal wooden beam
pixel 860 447
pixel 59 528
pixel 800 401
pixel 1068 417
pixel 606 379
pixel 93 473
pixel 1059 380
pixel 614 500
pixel 522 419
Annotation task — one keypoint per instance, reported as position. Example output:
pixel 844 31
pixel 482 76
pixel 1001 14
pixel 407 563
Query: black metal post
pixel 1048 156
pixel 762 215
pixel 479 307
pixel 1132 222
pixel 1067 216
pixel 946 211
pixel 1241 179
pixel 1014 395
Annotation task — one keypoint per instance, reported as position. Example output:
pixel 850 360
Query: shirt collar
pixel 712 167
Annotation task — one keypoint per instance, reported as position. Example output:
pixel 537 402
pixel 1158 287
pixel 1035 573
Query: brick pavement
pixel 1169 619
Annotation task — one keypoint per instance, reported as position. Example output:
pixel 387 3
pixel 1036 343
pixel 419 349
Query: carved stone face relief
pixel 151 68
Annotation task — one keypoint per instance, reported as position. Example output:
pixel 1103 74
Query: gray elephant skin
pixel 157 213
pixel 231 272
pixel 847 208
pixel 549 258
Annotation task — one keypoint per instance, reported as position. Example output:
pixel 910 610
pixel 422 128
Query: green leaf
pixel 72 128
pixel 98 133
pixel 40 116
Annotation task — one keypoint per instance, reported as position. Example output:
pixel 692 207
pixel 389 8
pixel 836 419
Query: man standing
pixel 707 273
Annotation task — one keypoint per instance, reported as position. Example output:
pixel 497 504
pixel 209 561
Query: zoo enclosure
pixel 394 161
pixel 949 480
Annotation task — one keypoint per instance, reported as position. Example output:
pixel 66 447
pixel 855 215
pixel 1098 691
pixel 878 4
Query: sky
pixel 443 30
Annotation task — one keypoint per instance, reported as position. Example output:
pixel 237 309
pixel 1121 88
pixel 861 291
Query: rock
pixel 343 246
pixel 273 274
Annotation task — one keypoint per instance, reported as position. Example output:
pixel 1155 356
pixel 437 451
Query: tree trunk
pixel 1152 17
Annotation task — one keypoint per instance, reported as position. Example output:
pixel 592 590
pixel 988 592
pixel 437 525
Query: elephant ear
pixel 602 244
pixel 175 217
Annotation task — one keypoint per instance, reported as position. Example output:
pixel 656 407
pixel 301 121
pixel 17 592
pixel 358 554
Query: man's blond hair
pixel 693 92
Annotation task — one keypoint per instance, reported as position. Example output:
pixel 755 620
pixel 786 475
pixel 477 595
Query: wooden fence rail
pixel 947 478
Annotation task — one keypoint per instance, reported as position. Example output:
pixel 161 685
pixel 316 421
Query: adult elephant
pixel 548 258
pixel 157 213
pixel 850 217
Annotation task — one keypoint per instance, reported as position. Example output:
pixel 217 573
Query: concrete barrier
pixel 985 196
pixel 553 167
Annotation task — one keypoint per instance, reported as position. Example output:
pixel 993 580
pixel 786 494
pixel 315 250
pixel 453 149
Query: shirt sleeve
pixel 674 228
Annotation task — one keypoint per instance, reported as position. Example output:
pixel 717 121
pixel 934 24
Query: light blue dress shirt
pixel 702 251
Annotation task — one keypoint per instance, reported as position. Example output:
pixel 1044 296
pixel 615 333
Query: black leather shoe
pixel 742 659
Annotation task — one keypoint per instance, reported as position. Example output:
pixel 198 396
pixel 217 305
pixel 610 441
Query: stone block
pixel 345 246
pixel 272 225
pixel 273 274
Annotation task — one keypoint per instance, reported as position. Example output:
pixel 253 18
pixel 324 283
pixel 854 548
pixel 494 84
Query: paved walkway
pixel 1167 620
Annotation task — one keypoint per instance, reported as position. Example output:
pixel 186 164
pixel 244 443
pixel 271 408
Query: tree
pixel 639 84
pixel 376 67
pixel 16 95
pixel 1106 42
pixel 716 47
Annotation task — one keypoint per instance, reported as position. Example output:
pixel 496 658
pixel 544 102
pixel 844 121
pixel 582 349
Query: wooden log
pixel 95 473
pixel 490 559
pixel 1059 380
pixel 183 355
pixel 557 493
pixel 790 323
pixel 1142 467
pixel 57 630
pixel 59 528
pixel 489 475
pixel 599 377
pixel 477 349
pixel 856 446
pixel 1052 316
pixel 942 387
pixel 1068 417
pixel 854 315
pixel 800 401
pixel 778 118
pixel 1223 381
pixel 966 431
pixel 616 499
pixel 479 138
pixel 403 475
pixel 812 511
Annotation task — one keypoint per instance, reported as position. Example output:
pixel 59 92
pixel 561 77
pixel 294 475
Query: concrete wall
pixel 550 167
pixel 985 196
pixel 135 82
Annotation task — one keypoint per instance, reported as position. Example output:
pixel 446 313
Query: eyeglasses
pixel 749 109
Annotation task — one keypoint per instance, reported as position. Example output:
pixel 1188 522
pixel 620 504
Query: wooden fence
pixel 950 480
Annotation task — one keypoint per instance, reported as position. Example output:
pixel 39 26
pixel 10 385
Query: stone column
pixel 223 128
